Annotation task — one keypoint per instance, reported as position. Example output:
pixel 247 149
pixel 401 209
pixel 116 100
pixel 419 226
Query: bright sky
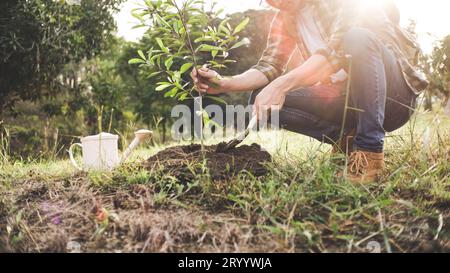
pixel 432 16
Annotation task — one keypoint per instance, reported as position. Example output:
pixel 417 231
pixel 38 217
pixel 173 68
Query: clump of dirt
pixel 184 161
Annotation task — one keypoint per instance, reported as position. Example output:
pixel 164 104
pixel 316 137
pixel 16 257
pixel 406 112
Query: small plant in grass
pixel 185 36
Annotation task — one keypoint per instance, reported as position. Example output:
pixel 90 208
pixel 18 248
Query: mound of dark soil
pixel 184 161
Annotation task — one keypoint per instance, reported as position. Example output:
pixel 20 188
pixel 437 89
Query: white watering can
pixel 101 152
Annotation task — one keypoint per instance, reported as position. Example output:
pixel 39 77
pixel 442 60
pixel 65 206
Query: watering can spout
pixel 140 136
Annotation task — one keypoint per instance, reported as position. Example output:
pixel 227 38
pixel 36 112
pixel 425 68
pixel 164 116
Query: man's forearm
pixel 317 68
pixel 248 81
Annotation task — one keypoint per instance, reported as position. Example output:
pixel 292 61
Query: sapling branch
pixel 194 60
pixel 182 32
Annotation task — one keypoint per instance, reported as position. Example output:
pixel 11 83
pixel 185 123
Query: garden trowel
pixel 221 148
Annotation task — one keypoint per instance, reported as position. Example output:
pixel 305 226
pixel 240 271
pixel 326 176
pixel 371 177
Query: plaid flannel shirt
pixel 334 18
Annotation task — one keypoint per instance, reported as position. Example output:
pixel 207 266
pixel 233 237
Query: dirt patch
pixel 184 162
pixel 42 215
pixel 121 220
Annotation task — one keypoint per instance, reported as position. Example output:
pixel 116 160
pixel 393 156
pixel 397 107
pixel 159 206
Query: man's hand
pixel 271 98
pixel 208 81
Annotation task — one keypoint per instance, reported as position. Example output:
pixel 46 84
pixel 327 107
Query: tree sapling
pixel 186 35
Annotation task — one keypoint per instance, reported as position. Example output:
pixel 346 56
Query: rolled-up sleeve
pixel 334 51
pixel 280 46
pixel 342 14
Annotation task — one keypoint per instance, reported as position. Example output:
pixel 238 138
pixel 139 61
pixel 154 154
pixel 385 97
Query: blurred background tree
pixel 437 69
pixel 39 38
pixel 44 45
pixel 149 106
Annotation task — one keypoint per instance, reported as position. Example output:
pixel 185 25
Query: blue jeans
pixel 380 100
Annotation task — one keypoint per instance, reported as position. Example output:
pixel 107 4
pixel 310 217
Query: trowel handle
pixel 252 123
pixel 250 127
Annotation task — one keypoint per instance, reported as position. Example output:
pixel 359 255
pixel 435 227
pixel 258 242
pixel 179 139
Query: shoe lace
pixel 358 162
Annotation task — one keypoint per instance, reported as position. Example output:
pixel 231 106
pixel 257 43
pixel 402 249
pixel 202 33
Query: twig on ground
pixel 441 225
pixel 384 231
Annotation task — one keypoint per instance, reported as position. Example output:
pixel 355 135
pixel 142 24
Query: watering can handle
pixel 72 159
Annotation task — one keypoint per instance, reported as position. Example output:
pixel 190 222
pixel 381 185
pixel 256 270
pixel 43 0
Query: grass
pixel 299 206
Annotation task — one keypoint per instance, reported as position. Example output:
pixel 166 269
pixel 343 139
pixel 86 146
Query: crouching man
pixel 343 43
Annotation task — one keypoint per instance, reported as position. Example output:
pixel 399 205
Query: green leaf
pixel 141 54
pixel 205 116
pixel 204 39
pixel 161 45
pixel 149 3
pixel 172 93
pixel 162 87
pixel 162 21
pixel 160 42
pixel 183 96
pixel 139 26
pixel 155 57
pixel 209 48
pixel 137 16
pixel 136 61
pixel 224 29
pixel 239 44
pixel 185 67
pixel 168 63
pixel 224 22
pixel 154 74
pixel 241 26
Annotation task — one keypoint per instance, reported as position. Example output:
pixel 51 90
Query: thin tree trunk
pixel 152 139
pixel 46 137
pixel 1 113
pixel 1 120
pixel 164 132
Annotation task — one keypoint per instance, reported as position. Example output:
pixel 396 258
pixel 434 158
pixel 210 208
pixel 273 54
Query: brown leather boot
pixel 345 145
pixel 364 167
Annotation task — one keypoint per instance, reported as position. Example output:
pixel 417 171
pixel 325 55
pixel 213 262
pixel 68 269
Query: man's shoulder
pixel 334 5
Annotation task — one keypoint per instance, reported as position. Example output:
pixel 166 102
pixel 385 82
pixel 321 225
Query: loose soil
pixel 184 162
pixel 39 213
pixel 71 215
